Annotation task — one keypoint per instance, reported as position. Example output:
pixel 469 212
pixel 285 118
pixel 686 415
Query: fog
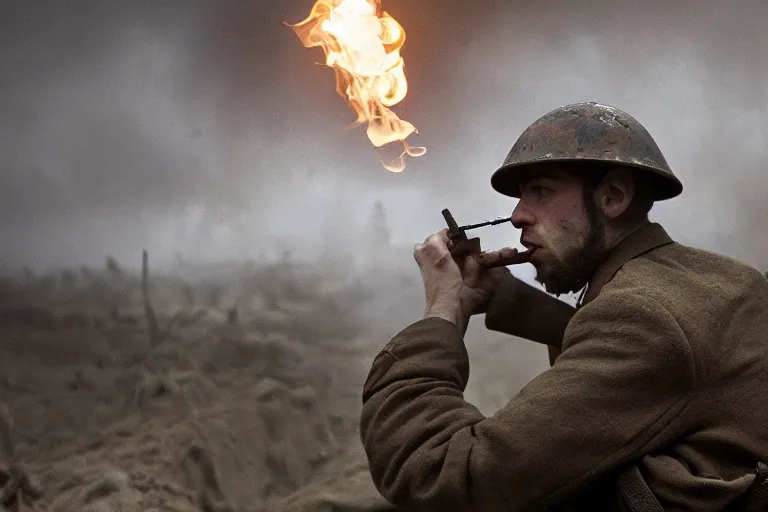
pixel 209 131
pixel 207 134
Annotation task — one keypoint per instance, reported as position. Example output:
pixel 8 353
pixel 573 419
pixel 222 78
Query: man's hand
pixel 455 288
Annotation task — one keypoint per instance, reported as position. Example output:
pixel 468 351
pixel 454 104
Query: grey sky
pixel 207 128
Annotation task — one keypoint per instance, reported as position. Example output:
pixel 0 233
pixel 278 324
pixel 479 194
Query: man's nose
pixel 521 216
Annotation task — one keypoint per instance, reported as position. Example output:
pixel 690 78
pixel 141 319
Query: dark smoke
pixel 208 129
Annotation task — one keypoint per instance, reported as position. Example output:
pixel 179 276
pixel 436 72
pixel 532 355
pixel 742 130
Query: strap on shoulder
pixel 755 499
pixel 635 493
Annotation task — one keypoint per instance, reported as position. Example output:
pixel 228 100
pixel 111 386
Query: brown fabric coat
pixel 665 364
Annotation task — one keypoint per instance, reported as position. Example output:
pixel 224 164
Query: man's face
pixel 562 226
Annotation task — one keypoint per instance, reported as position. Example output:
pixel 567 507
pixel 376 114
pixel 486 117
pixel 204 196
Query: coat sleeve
pixel 519 309
pixel 626 371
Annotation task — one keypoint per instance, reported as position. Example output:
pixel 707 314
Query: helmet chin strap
pixel 580 301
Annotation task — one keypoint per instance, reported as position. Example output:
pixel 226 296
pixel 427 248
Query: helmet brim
pixel 506 179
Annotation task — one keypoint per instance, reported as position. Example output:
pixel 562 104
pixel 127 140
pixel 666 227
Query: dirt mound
pixel 232 452
pixel 18 489
pixel 239 393
pixel 226 407
pixel 343 486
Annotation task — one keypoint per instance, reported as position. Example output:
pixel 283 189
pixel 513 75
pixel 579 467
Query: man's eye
pixel 539 191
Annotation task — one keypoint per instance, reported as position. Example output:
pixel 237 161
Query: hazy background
pixel 207 129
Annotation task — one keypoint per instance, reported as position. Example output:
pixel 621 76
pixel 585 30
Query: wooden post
pixel 6 436
pixel 154 329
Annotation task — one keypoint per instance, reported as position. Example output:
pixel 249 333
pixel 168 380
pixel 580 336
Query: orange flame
pixel 362 44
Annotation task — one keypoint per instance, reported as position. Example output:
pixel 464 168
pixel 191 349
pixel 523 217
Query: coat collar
pixel 646 238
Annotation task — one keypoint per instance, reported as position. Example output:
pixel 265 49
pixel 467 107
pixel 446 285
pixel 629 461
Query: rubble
pixel 130 394
pixel 18 488
pixel 244 397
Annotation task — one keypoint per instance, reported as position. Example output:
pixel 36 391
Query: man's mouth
pixel 529 246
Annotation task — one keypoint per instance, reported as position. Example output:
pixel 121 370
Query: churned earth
pixel 247 400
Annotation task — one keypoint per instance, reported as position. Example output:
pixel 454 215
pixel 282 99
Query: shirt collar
pixel 644 239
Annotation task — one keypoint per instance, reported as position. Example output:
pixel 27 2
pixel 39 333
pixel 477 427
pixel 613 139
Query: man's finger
pixel 502 257
pixel 463 248
pixel 471 271
pixel 441 236
pixel 434 250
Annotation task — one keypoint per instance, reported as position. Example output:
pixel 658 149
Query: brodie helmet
pixel 587 133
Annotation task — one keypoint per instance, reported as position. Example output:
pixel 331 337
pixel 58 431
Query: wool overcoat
pixel 664 365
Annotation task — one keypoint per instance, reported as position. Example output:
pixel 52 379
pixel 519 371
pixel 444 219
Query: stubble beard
pixel 573 270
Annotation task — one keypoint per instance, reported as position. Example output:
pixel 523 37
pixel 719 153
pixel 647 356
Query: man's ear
pixel 615 192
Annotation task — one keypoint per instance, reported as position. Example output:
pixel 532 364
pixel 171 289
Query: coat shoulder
pixel 676 274
pixel 703 292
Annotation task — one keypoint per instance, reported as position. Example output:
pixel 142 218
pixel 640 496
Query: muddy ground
pixel 247 400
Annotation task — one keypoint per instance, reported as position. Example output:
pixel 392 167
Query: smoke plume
pixel 208 129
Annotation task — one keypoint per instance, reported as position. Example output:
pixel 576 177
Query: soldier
pixel 657 398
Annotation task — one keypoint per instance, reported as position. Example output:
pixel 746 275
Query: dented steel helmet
pixel 587 133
